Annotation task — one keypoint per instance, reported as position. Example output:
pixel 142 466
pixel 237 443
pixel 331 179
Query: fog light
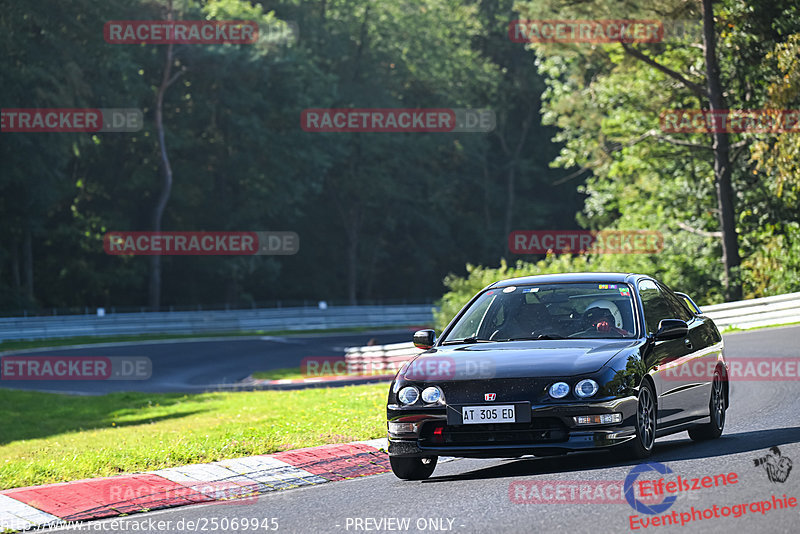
pixel 604 419
pixel 402 428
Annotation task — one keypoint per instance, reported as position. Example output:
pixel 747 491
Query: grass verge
pixel 56 438
pixel 280 374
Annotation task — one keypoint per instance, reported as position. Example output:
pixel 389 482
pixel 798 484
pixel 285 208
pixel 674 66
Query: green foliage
pixel 779 154
pixel 381 216
pixel 606 104
pixel 360 202
pixel 776 268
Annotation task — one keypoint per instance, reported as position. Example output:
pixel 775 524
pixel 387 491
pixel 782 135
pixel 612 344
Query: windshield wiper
pixel 535 338
pixel 468 340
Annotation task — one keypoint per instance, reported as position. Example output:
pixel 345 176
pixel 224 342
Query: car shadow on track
pixel 683 449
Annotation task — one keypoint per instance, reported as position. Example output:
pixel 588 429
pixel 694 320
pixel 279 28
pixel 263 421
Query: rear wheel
pixel 413 468
pixel 642 445
pixel 717 406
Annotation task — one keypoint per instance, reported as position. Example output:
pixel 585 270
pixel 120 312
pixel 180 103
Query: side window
pixel 690 304
pixel 495 317
pixel 656 307
pixel 679 309
pixel 469 327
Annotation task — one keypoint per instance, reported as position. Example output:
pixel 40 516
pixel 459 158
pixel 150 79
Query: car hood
pixel 514 359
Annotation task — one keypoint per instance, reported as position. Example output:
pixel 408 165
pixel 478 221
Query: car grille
pixel 539 430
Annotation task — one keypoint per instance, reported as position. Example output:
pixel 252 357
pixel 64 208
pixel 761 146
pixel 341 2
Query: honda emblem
pixel 490 396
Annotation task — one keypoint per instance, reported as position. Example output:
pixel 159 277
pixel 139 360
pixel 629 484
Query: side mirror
pixel 424 339
pixel 671 329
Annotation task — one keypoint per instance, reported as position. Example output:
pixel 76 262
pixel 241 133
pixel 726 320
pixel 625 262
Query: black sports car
pixel 550 364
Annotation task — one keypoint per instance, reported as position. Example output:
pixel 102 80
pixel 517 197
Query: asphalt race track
pixel 182 366
pixel 473 495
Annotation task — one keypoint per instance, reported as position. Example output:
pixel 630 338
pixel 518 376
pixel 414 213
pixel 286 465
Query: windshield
pixel 548 311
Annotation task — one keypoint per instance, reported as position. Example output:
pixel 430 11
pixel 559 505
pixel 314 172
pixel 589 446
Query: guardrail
pixel 780 309
pixel 204 322
pixel 765 311
pixel 371 359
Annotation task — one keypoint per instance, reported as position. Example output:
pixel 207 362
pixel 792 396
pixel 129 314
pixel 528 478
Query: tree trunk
pixel 722 163
pixel 27 258
pixel 352 264
pixel 513 161
pixel 15 276
pixel 510 183
pixel 166 184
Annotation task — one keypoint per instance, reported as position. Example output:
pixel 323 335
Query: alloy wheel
pixel 718 401
pixel 645 418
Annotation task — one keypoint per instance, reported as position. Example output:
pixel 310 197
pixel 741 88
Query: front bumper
pixel 552 430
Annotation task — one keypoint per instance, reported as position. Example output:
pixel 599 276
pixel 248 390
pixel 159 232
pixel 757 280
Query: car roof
pixel 570 277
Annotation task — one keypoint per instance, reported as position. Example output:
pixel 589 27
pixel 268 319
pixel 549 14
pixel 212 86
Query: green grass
pixel 296 372
pixel 55 438
pixel 279 374
pixel 89 340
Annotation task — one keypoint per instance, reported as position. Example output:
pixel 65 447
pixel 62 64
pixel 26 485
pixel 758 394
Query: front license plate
pixel 502 413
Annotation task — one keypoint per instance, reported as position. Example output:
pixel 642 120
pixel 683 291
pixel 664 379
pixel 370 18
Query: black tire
pixel 413 468
pixel 716 410
pixel 646 417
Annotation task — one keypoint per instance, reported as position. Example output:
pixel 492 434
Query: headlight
pixel 559 390
pixel 586 388
pixel 408 395
pixel 431 394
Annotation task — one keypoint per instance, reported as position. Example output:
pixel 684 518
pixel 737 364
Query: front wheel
pixel 716 407
pixel 642 445
pixel 413 468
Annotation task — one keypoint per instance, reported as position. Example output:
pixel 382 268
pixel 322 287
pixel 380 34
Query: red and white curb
pixel 224 482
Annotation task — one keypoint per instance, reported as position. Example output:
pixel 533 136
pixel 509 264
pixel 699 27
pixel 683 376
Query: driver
pixel 602 320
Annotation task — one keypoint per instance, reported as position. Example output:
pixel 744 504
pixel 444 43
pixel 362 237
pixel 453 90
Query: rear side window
pixel 655 306
pixel 691 305
pixel 680 311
